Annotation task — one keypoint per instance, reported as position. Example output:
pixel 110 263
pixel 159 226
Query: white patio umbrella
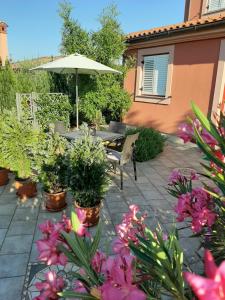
pixel 76 64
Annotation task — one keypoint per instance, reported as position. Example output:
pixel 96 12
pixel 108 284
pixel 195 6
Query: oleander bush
pixel 149 144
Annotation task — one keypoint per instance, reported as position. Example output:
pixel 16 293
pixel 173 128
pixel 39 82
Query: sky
pixel 35 26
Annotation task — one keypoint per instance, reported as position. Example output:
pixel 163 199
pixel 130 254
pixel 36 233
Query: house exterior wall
pixel 3 43
pixel 194 75
pixel 196 9
pixel 193 10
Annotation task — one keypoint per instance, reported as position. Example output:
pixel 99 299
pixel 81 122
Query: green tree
pixel 100 94
pixel 74 38
pixel 7 87
pixel 28 82
pixel 108 41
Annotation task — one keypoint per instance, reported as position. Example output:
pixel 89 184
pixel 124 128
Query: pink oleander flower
pixel 79 287
pixel 198 206
pixel 175 176
pixel 186 132
pixel 131 226
pixel 194 175
pixel 205 217
pixel 48 246
pixel 50 288
pixel 121 246
pixel 119 280
pixel 208 138
pixel 66 223
pixel 49 253
pixel 211 288
pixel 98 260
pixel 82 230
pixel 46 228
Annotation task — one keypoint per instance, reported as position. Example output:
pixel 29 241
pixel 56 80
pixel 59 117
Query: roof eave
pixel 166 33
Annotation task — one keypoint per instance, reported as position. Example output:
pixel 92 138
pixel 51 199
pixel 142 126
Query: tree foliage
pixel 7 87
pixel 74 38
pixel 101 93
pixel 108 41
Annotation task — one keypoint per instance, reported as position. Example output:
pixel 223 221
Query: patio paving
pixel 18 221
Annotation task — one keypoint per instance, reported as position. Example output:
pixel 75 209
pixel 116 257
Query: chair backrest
pixel 60 127
pixel 128 148
pixel 117 127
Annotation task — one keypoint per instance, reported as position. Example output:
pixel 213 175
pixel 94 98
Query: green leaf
pixel 207 150
pixel 95 243
pixel 75 221
pixel 161 255
pixel 208 125
pixel 71 294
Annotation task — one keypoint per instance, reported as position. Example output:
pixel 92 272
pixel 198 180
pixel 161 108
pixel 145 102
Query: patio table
pixel 106 136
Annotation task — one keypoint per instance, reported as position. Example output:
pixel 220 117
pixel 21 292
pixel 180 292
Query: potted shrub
pixel 20 142
pixel 53 171
pixel 88 175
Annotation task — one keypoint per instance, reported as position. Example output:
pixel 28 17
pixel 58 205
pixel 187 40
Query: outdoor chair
pixel 119 159
pixel 59 126
pixel 116 127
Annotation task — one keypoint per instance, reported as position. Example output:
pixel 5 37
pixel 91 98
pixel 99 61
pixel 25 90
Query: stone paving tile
pixel 13 265
pixel 152 195
pixel 161 203
pixel 34 253
pixel 114 207
pixel 25 214
pixel 136 199
pixel 17 244
pixel 49 216
pixel 7 209
pixel 189 246
pixel 2 235
pixel 11 288
pixel 21 227
pixel 5 221
pixel 116 218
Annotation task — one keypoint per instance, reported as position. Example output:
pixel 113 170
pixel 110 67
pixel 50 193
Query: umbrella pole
pixel 77 100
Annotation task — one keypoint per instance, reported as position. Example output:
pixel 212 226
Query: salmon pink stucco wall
pixel 193 9
pixel 193 78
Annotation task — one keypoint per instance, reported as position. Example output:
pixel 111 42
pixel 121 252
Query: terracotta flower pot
pixel 4 178
pixel 55 202
pixel 25 188
pixel 92 214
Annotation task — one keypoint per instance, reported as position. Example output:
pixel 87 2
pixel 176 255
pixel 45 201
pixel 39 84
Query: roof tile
pixel 205 20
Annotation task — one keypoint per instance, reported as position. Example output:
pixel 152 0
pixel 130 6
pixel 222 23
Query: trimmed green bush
pixel 149 144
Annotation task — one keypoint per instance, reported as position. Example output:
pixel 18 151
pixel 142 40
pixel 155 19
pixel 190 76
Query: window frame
pixel 140 96
pixel 144 92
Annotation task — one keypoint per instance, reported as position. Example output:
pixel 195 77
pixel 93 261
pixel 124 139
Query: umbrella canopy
pixel 69 64
pixel 76 64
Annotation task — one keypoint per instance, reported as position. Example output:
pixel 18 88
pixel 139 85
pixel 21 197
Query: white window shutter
pixel 155 74
pixel 214 5
pixel 148 75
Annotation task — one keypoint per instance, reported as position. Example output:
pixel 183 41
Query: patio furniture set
pixel 112 138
